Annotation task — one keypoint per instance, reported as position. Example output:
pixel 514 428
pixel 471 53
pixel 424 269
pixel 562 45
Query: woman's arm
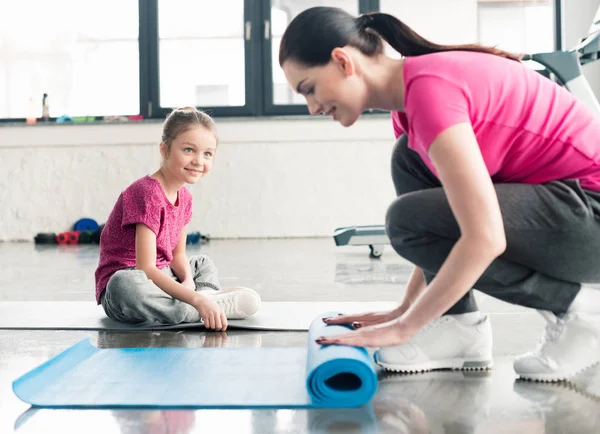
pixel 474 203
pixel 181 264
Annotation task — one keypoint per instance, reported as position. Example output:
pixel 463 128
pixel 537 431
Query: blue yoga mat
pixel 313 377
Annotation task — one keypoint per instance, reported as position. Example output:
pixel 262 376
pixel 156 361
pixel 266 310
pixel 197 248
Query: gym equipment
pixel 361 235
pixel 197 238
pixel 45 238
pixel 85 224
pixel 71 237
pixel 566 67
pixel 86 237
pixel 318 376
pixel 85 315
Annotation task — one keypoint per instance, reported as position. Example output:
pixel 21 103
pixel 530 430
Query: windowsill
pixel 298 128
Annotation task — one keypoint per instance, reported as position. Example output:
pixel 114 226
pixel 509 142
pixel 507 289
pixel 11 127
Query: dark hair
pixel 315 32
pixel 182 119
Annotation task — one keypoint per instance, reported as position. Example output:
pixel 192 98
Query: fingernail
pixel 319 340
pixel 340 314
pixel 326 320
pixel 356 325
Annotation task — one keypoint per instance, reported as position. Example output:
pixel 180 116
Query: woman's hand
pixel 381 335
pixel 367 319
pixel 211 314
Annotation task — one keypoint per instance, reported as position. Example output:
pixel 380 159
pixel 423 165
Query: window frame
pixel 258 71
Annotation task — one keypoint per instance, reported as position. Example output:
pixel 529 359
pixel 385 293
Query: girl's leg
pixel 205 273
pixel 131 297
pixel 236 303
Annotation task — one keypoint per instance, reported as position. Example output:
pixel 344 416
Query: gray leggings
pixel 552 233
pixel 131 297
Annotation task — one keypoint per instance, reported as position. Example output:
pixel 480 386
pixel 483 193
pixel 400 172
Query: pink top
pixel 144 202
pixel 530 130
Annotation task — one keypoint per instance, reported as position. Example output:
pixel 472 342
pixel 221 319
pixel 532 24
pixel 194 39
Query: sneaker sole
pixel 452 364
pixel 555 377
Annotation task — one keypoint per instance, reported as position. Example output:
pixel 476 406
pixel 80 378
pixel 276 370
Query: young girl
pixel 144 273
pixel 497 171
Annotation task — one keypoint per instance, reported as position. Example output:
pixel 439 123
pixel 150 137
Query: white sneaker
pixel 446 343
pixel 236 303
pixel 570 344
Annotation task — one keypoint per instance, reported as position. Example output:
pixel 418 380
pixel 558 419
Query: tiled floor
pixel 288 270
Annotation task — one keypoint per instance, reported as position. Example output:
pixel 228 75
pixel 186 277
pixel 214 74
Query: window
pixel 513 25
pixel 201 54
pixel 84 65
pixel 129 57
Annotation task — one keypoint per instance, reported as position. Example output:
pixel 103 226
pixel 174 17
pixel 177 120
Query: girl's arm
pixel 145 260
pixel 181 264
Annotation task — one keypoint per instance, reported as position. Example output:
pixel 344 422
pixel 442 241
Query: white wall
pixel 271 177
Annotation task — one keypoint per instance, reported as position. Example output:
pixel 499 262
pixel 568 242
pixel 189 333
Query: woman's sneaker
pixel 570 344
pixel 236 303
pixel 446 343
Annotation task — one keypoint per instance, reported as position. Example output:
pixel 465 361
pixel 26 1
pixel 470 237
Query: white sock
pixel 469 319
pixel 586 301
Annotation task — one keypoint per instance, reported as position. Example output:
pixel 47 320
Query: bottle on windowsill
pixel 31 118
pixel 45 108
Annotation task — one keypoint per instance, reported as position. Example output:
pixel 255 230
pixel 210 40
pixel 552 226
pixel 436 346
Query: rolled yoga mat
pixel 84 376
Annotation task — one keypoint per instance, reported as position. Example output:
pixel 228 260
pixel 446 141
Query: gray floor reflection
pixel 371 272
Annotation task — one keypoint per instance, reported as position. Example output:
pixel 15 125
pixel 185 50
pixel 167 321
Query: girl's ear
pixel 164 151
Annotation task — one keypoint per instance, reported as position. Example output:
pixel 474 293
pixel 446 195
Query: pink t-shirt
pixel 144 202
pixel 529 129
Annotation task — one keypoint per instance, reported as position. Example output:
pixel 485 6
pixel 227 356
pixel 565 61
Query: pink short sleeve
pixel 141 204
pixel 398 130
pixel 433 105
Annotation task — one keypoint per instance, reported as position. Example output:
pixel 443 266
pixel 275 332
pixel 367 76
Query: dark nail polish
pixel 326 320
pixel 356 325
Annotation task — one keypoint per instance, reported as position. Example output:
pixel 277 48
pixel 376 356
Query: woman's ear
pixel 342 59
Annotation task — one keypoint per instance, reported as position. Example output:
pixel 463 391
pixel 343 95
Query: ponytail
pixel 407 42
pixel 314 33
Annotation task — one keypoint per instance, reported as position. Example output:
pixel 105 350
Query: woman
pixel 497 172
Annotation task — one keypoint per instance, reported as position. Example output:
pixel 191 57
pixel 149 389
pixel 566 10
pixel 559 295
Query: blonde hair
pixel 182 119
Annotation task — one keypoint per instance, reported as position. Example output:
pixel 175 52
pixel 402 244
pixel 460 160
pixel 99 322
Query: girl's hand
pixel 367 319
pixel 211 314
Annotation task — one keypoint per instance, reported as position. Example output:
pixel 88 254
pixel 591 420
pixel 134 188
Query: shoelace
pixel 227 304
pixel 554 328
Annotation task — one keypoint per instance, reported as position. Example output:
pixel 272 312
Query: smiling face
pixel 191 154
pixel 332 89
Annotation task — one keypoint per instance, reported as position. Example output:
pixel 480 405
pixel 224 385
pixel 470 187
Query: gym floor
pixel 290 270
